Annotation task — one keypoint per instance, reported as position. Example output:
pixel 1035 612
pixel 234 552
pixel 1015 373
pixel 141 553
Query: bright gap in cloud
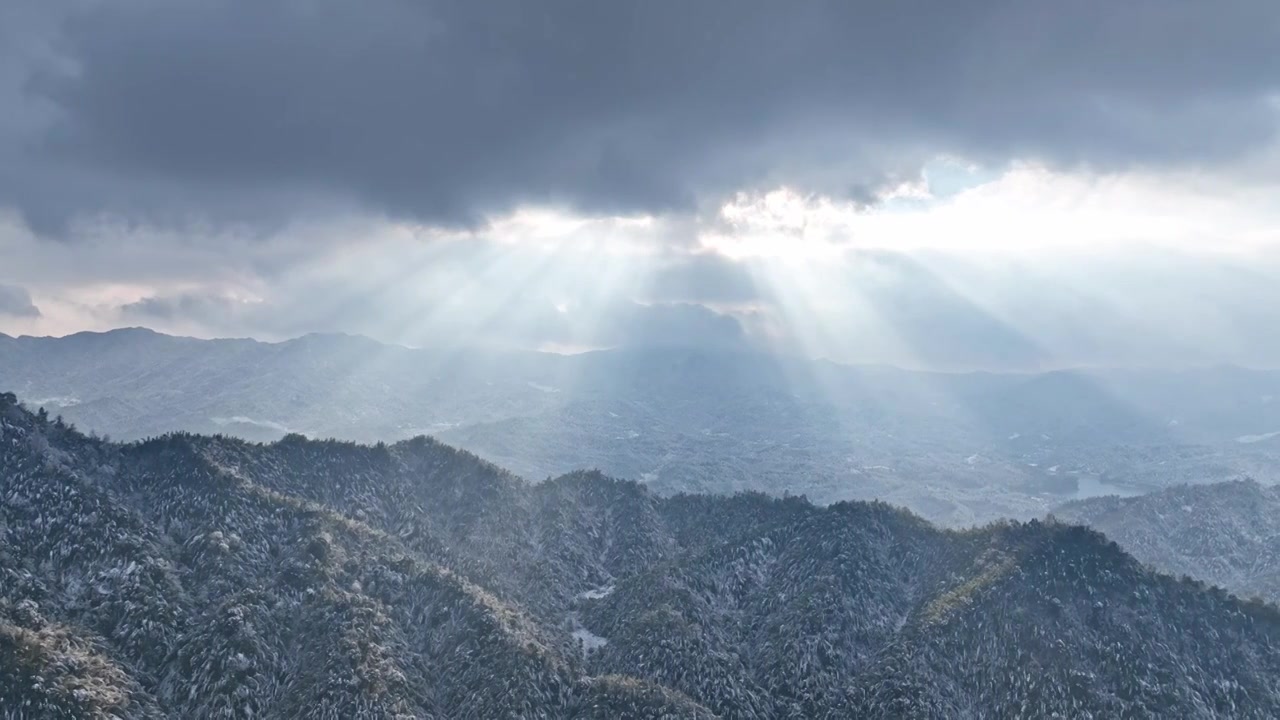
pixel 1014 262
pixel 1026 209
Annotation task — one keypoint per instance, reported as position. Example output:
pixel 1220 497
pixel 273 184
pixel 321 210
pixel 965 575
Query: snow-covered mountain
pixel 197 576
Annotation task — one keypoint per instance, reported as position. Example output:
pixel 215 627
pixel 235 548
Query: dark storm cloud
pixel 16 302
pixel 205 309
pixel 257 110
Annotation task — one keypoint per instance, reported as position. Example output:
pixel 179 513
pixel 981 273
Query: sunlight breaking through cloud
pixel 1026 209
pixel 961 269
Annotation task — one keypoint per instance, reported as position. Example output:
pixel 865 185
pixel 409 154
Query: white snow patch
pixel 543 388
pixel 589 640
pixel 597 593
pixel 973 459
pixel 1053 469
pixel 433 428
pixel 1248 439
pixel 59 401
pixel 243 420
pixel 1015 436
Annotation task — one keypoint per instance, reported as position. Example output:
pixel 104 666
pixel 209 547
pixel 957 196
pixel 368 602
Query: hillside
pixel 1227 534
pixel 198 576
pixel 959 449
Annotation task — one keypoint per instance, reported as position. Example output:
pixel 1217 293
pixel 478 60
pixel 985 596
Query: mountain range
pixel 1227 534
pixel 957 448
pixel 209 576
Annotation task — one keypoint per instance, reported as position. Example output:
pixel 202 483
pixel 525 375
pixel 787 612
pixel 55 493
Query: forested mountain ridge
pixel 195 576
pixel 1227 533
pixel 188 591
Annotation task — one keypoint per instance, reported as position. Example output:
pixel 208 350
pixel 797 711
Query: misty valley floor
pixel 956 448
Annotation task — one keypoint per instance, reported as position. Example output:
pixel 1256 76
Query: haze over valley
pixel 956 448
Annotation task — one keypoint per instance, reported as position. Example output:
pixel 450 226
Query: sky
pixel 960 184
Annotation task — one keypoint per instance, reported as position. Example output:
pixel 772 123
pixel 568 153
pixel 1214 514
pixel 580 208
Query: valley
pixel 957 448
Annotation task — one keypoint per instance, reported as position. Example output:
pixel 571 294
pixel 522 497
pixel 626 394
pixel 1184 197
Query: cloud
pixel 255 112
pixel 209 311
pixel 902 182
pixel 1027 269
pixel 1039 278
pixel 1025 208
pixel 16 302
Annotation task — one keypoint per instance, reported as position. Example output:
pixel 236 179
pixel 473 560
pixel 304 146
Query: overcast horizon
pixel 976 185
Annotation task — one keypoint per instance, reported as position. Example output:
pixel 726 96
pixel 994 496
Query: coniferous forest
pixel 196 576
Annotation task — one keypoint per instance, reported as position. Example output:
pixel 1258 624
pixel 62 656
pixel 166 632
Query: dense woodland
pixel 1226 533
pixel 193 576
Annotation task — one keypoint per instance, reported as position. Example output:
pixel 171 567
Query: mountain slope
pixel 1227 534
pixel 204 594
pixel 862 608
pixel 194 576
